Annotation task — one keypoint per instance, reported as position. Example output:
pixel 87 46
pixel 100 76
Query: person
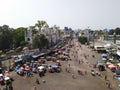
pixel 73 76
pixel 37 81
pixel 35 88
pixel 105 77
pixel 96 72
pixel 66 69
pixel 109 85
pixel 93 56
pixel 85 72
pixel 114 76
pixel 69 65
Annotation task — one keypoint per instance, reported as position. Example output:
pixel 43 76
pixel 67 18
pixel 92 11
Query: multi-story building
pixel 52 34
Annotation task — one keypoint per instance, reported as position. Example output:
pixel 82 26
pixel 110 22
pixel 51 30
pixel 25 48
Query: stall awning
pixel 118 53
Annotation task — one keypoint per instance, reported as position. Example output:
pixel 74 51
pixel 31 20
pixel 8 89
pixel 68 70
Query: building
pixel 52 34
pixel 90 34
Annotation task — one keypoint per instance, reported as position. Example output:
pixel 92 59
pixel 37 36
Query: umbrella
pixel 104 55
pixel 111 66
pixel 108 63
pixel 48 57
pixel 117 72
pixel 54 66
pixel 42 57
pixel 41 67
pixel 118 64
pixel 7 78
pixel 27 68
pixel 111 59
pixel 21 68
pixel 118 78
pixel 1 75
pixel 58 61
pixel 104 59
pixel 25 48
pixel 56 53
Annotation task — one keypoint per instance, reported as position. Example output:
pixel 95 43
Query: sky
pixel 82 14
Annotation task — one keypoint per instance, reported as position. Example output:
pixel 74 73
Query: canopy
pixel 111 66
pixel 54 66
pixel 117 72
pixel 25 48
pixel 108 63
pixel 42 57
pixel 7 78
pixel 118 64
pixel 118 53
pixel 41 67
pixel 1 75
pixel 118 78
pixel 107 45
pixel 111 59
pixel 38 55
pixel 104 55
pixel 104 59
pixel 48 57
pixel 99 63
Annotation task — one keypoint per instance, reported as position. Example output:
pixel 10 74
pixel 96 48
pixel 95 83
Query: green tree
pixel 18 36
pixel 23 43
pixel 82 39
pixel 111 31
pixel 40 41
pixel 39 24
pixel 5 37
pixel 117 31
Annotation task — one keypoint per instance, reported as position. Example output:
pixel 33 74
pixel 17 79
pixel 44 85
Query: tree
pixel 40 41
pixel 23 43
pixel 111 31
pixel 5 37
pixel 39 24
pixel 82 39
pixel 117 31
pixel 18 36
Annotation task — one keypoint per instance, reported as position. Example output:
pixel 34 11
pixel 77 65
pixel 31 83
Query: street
pixel 75 75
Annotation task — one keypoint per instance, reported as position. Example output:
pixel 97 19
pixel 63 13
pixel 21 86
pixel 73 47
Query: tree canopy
pixel 39 24
pixel 40 41
pixel 82 39
pixel 112 31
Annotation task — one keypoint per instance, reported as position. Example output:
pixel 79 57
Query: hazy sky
pixel 97 14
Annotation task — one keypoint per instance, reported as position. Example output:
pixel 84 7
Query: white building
pixel 29 35
pixel 52 34
pixel 88 33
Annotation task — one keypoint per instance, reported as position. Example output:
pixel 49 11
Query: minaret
pixel 114 35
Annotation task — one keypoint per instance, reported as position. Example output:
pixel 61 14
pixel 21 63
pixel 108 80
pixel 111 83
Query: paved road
pixel 77 53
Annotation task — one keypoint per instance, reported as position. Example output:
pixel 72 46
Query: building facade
pixel 52 34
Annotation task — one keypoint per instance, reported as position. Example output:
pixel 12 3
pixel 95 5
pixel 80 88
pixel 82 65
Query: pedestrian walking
pixel 69 65
pixel 109 85
pixel 37 81
pixel 85 72
pixel 66 69
pixel 114 75
pixel 34 88
pixel 79 61
pixel 105 77
pixel 73 76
